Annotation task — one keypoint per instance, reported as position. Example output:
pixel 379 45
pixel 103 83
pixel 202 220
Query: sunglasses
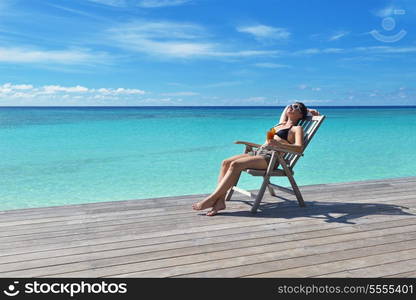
pixel 295 106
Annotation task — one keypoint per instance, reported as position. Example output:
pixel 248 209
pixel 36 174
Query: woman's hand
pixel 272 142
pixel 314 112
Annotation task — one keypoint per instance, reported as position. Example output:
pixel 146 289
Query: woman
pixel 288 135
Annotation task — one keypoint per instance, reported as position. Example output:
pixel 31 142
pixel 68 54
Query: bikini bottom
pixel 266 154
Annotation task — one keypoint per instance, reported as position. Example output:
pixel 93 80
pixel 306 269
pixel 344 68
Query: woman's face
pixel 294 110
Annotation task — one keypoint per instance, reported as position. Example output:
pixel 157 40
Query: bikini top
pixel 283 133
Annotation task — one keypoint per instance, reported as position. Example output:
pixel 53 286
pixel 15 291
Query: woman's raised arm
pixel 283 117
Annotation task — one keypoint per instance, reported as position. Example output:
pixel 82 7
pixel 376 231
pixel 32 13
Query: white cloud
pixel 160 101
pixel 51 89
pixel 332 50
pixel 308 101
pixel 222 84
pixel 269 65
pixel 244 53
pixel 367 50
pixel 117 3
pixel 159 30
pixel 79 12
pixel 10 90
pixel 9 87
pixel 308 51
pixel 338 35
pixel 263 32
pixel 180 94
pixel 255 99
pixel 332 36
pixel 23 86
pixel 57 94
pixel 65 57
pixel 173 48
pixel 303 87
pixel 312 51
pixel 173 40
pixel 161 38
pixel 386 49
pixel 120 91
pixel 161 3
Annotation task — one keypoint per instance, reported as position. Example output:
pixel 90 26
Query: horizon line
pixel 190 106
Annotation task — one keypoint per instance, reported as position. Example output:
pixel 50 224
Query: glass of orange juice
pixel 271 133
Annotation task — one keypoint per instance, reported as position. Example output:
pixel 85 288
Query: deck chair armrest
pixel 280 149
pixel 248 144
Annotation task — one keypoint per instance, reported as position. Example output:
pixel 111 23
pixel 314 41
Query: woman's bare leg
pixel 225 165
pixel 229 179
pixel 220 203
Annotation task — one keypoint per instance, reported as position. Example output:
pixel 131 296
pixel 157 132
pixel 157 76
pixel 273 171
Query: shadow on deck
pixel 327 211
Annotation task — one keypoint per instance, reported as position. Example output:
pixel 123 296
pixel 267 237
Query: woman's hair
pixel 303 109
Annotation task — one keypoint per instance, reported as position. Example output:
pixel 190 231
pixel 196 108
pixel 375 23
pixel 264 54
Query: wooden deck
pixel 355 229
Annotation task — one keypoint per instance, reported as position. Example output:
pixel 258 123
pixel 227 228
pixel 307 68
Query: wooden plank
pixel 144 237
pixel 12 224
pixel 250 267
pixel 139 206
pixel 205 222
pixel 342 267
pixel 98 205
pixel 163 200
pixel 208 227
pixel 407 179
pixel 192 247
pixel 141 246
pixel 282 188
pixel 87 209
pixel 160 214
pixel 270 261
pixel 257 230
pixel 383 265
pixel 411 274
pixel 184 262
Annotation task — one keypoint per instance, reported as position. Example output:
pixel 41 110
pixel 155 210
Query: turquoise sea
pixel 68 155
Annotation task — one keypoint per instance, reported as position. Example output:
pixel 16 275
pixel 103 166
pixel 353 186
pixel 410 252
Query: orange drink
pixel 271 133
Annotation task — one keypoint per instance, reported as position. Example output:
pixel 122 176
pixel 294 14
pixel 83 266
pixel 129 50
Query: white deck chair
pixel 287 161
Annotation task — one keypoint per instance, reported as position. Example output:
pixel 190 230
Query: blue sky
pixel 207 52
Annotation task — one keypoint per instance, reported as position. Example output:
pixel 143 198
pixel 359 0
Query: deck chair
pixel 287 161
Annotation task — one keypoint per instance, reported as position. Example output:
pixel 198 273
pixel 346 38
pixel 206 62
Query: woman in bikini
pixel 288 135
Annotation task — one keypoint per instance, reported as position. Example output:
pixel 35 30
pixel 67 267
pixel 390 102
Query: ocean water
pixel 59 156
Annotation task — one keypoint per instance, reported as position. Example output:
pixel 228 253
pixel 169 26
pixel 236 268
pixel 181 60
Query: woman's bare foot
pixel 219 205
pixel 204 204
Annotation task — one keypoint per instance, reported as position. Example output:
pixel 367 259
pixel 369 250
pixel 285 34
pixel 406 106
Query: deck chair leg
pixel 229 194
pixel 231 190
pixel 292 181
pixel 260 195
pixel 271 190
pixel 296 190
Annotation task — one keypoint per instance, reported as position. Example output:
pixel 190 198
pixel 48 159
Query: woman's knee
pixel 236 165
pixel 226 163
